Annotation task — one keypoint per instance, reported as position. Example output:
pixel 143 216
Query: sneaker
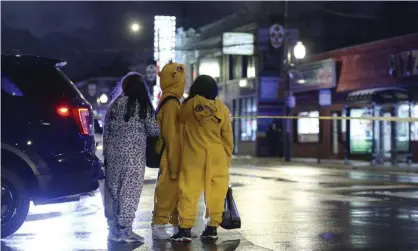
pixel 210 233
pixel 183 235
pixel 175 230
pixel 113 234
pixel 192 233
pixel 128 236
pixel 159 232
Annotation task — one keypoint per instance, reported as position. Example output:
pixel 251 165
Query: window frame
pixel 246 105
pixel 6 93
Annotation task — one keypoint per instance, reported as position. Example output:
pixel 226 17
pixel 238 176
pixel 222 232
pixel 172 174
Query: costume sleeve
pixel 227 136
pixel 151 125
pixel 170 131
pixel 106 131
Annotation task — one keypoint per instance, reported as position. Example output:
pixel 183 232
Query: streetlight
pixel 135 27
pixel 299 52
pixel 103 98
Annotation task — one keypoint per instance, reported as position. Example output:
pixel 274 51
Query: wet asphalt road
pixel 282 208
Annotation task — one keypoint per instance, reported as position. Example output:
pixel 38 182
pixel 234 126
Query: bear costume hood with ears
pixel 172 80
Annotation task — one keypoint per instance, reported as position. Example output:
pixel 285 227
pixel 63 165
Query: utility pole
pixel 287 132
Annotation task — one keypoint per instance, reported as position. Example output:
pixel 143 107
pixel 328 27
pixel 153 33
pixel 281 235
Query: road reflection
pixel 229 245
pixel 281 209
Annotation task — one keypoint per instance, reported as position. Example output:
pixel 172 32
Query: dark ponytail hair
pixel 134 88
pixel 204 86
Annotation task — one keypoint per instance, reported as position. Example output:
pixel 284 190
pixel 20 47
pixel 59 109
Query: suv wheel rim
pixel 9 201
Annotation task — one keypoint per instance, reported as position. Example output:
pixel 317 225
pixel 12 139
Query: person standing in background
pixel 273 136
pixel 129 120
pixel 206 157
pixel 172 82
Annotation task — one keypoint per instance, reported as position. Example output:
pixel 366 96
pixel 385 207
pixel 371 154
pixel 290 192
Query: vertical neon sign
pixel 164 46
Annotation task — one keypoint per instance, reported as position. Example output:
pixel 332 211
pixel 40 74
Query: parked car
pixel 47 138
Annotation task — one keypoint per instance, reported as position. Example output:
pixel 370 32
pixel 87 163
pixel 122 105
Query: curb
pixel 275 163
pixel 368 168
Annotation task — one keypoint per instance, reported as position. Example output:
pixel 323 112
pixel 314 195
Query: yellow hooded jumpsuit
pixel 172 82
pixel 206 157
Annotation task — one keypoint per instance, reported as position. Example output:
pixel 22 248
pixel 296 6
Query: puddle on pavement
pixel 236 184
pixel 220 245
pixel 263 177
pixel 43 216
pixel 347 185
pixel 381 176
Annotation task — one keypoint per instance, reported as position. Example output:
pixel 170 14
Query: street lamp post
pixel 299 52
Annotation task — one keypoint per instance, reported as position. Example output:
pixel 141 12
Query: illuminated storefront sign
pixel 235 43
pixel 404 64
pixel 164 45
pixel 313 76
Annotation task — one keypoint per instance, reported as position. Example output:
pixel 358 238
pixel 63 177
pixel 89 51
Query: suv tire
pixel 19 203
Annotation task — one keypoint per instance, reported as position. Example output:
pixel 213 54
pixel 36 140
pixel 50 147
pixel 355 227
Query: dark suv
pixel 47 138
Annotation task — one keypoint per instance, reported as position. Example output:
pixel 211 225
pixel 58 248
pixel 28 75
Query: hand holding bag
pixel 230 218
pixel 153 158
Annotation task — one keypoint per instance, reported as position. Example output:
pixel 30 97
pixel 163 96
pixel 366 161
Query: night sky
pixel 93 34
pixel 68 16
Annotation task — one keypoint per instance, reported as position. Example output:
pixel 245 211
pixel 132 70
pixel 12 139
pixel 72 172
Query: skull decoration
pixel 151 72
pixel 91 89
pixel 277 35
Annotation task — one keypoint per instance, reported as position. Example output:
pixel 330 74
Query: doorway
pixel 387 136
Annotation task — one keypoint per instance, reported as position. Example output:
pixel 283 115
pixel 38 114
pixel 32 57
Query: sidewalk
pixel 326 163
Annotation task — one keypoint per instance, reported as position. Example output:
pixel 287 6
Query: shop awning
pixel 379 95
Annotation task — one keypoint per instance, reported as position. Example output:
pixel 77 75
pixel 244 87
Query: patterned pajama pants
pixel 123 187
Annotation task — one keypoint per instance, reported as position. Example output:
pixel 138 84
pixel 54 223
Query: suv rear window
pixel 35 81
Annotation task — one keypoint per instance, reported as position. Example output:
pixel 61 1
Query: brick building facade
pixel 379 78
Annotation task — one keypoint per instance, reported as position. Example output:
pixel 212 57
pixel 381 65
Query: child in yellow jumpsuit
pixel 172 82
pixel 206 155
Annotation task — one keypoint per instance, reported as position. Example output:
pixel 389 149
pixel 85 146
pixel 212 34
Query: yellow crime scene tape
pixel 376 118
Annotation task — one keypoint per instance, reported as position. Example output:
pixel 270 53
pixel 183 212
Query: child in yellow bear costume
pixel 172 82
pixel 206 157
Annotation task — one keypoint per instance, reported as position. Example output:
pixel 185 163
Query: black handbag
pixel 230 218
pixel 153 158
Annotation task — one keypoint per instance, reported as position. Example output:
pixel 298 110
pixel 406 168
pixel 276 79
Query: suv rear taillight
pixel 80 115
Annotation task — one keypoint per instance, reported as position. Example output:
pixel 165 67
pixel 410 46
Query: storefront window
pixel 210 66
pixel 234 66
pixel 361 131
pixel 308 128
pixel 250 67
pixel 343 127
pixel 414 127
pixel 248 109
pixel 402 127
